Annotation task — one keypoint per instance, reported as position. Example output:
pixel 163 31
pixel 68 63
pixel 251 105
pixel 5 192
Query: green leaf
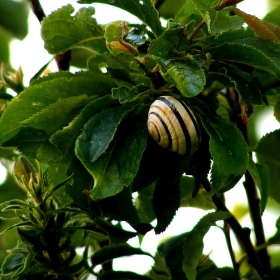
pixel 201 199
pixel 193 245
pixel 115 251
pixel 247 87
pixel 267 152
pixel 244 54
pixel 14 16
pixel 99 132
pixel 185 74
pixel 269 48
pixel 61 31
pixel 171 41
pixel 144 10
pixel 217 21
pixel 117 167
pixel 45 92
pixel 63 139
pixel 166 197
pixel 171 251
pixel 47 119
pixel 227 147
pixel 122 67
pixel 260 175
pixel 126 94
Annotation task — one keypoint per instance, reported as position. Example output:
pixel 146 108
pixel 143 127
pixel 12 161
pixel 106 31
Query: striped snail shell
pixel 173 125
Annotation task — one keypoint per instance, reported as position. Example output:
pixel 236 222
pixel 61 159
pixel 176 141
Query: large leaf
pixel 244 54
pixel 61 31
pixel 185 74
pixel 47 91
pixel 144 10
pixel 193 245
pixel 267 151
pixel 113 164
pixel 227 147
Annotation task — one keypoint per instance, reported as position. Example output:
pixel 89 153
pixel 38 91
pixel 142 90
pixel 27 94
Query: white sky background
pixel 31 56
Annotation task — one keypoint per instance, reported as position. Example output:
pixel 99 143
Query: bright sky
pixel 35 56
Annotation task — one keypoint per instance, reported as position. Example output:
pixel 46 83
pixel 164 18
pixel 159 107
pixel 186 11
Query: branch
pixel 254 206
pixel 243 234
pixel 63 59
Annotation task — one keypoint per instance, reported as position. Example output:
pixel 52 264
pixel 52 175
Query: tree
pixel 81 148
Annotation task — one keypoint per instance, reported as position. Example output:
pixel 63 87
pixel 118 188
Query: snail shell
pixel 173 125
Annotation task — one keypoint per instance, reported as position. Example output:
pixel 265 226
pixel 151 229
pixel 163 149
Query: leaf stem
pixel 243 234
pixel 195 30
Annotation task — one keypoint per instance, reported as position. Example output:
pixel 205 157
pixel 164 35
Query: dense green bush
pixel 85 162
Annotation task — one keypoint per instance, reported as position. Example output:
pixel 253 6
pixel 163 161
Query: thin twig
pixel 243 234
pixel 195 30
pixel 229 245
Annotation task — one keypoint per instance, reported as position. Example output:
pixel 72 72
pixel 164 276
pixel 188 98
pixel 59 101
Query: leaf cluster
pixel 88 130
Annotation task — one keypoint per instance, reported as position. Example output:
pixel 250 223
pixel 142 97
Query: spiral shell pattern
pixel 173 125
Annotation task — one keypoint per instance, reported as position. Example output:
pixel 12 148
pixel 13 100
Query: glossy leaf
pixel 267 152
pixel 248 55
pixel 118 164
pixel 61 31
pixel 52 89
pixel 64 138
pixel 144 10
pixel 193 245
pixel 227 147
pixel 185 74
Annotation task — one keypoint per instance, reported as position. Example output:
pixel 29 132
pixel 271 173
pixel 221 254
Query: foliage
pixel 85 162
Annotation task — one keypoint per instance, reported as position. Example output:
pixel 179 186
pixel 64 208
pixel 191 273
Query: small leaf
pixel 115 251
pixel 257 25
pixel 144 10
pixel 193 245
pixel 260 175
pixel 185 74
pixel 244 54
pixel 217 21
pixel 61 31
pixel 171 41
pixel 267 151
pixel 277 110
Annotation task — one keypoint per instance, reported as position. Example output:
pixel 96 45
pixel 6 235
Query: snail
pixel 173 125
